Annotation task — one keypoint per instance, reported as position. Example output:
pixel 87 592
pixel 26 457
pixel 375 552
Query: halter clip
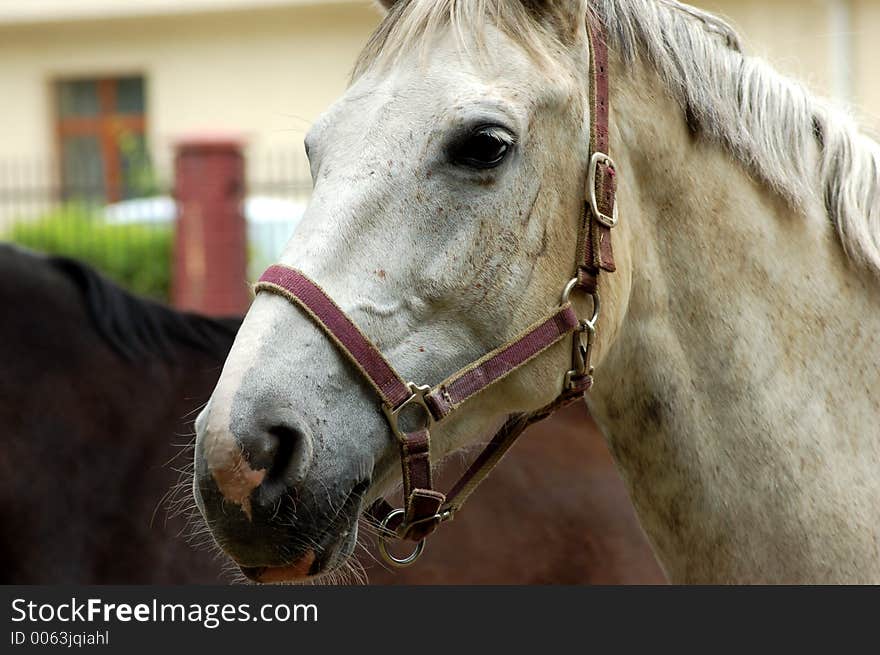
pixel 582 345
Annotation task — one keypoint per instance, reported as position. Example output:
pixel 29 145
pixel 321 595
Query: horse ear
pixel 386 4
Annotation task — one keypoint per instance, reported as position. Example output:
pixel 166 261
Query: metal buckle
pixel 597 159
pixel 417 398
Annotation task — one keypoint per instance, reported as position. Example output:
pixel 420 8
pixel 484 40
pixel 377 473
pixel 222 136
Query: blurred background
pixel 160 142
pixel 100 98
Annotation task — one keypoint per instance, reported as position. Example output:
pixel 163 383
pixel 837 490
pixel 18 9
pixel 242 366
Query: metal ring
pixel 591 324
pixel 566 297
pixel 399 562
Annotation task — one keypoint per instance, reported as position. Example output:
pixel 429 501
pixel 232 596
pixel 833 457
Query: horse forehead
pixel 445 74
pixel 415 100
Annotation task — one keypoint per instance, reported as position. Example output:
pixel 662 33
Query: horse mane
pixel 136 327
pixel 768 122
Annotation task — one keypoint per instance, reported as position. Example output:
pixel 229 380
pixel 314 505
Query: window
pixel 101 125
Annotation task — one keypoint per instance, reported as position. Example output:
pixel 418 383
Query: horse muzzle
pixel 253 487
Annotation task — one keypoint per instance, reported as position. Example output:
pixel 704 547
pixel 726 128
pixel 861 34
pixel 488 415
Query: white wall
pixel 265 74
pixel 42 11
pixel 268 73
pixel 866 48
pixel 810 40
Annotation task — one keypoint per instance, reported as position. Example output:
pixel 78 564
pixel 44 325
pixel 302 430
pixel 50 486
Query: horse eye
pixel 484 148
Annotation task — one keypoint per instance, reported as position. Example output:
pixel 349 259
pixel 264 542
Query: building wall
pixel 866 52
pixel 267 73
pixel 831 45
pixel 44 11
pixel 793 34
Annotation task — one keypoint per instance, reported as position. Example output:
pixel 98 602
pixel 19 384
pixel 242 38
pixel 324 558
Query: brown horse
pixel 94 389
pixel 99 388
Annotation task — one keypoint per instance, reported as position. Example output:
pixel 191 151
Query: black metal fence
pixel 131 239
pixel 278 190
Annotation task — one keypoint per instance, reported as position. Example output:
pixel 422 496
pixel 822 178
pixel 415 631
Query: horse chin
pixel 312 565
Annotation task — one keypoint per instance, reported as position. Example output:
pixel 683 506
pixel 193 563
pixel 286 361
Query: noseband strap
pixel 424 507
pixel 312 299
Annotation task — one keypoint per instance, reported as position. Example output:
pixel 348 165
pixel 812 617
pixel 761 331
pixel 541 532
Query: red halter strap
pixel 437 403
pixel 425 508
pixel 600 216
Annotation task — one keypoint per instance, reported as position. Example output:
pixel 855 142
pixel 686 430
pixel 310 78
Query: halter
pixel 424 507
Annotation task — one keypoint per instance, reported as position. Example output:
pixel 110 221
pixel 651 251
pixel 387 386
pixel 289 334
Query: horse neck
pixel 739 393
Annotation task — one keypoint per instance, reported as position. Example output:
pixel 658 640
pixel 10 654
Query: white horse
pixel 738 352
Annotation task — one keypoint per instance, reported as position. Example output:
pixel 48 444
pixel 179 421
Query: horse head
pixel 448 194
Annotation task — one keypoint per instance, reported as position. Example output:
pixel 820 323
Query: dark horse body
pixel 94 386
pixel 98 390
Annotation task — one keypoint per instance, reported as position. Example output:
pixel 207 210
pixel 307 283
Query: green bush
pixel 136 256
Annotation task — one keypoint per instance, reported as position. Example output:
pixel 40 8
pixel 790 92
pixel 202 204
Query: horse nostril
pixel 289 452
pixel 257 461
pixel 261 449
pixel 284 451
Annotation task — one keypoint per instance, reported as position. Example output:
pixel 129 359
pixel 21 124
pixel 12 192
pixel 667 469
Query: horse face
pixel 446 202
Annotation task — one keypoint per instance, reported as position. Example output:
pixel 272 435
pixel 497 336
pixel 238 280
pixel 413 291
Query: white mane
pixel 767 121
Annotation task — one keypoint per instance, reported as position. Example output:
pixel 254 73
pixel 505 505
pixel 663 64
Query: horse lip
pixel 328 547
pixel 311 565
pixel 295 572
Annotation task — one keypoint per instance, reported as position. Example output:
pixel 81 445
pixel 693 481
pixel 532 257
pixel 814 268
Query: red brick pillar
pixel 210 258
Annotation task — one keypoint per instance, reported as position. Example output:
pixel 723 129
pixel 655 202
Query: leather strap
pixel 502 442
pixel 449 395
pixel 308 296
pixel 422 503
pixel 595 249
pixel 434 515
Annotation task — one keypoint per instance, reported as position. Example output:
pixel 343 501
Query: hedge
pixel 138 257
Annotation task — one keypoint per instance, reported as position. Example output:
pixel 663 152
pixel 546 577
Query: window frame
pixel 105 126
